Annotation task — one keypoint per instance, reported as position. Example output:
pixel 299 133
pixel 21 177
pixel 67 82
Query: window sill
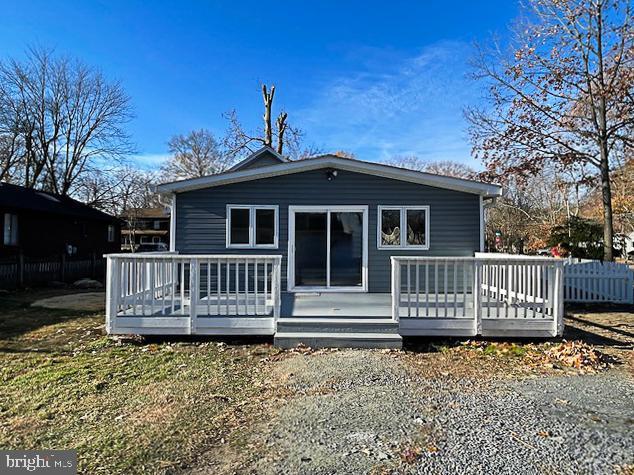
pixel 403 248
pixel 247 246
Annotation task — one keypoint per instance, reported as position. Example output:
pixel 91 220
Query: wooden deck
pixel 238 295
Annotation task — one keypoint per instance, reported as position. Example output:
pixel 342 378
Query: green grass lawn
pixel 126 407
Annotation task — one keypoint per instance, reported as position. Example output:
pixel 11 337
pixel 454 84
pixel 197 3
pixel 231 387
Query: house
pixel 331 251
pixel 41 224
pixel 145 226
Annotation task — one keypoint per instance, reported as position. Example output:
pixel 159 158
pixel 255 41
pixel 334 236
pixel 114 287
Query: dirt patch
pixel 83 302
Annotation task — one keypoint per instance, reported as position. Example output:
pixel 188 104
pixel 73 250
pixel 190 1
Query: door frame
pixel 290 277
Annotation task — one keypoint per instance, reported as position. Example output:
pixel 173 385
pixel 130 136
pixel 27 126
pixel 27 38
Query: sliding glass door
pixel 329 248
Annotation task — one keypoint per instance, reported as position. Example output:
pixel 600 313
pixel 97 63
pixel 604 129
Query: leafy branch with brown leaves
pixel 562 95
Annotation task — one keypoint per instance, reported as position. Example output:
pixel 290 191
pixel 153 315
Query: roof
pixel 257 154
pixel 19 197
pixel 145 232
pixel 486 190
pixel 156 213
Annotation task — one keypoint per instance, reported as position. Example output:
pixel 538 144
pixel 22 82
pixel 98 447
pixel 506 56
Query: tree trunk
pixel 268 104
pixel 608 226
pixel 281 128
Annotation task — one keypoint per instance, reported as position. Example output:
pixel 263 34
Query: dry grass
pixel 65 385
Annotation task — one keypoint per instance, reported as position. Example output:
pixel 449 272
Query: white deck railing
pixel 155 285
pixel 470 290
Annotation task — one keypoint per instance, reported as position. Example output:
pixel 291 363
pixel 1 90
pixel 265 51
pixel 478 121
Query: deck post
pixel 396 288
pixel 558 306
pixel 477 299
pixel 112 293
pixel 194 289
pixel 276 285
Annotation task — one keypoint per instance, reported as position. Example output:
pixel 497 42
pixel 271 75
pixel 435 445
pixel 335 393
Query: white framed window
pixel 111 233
pixel 10 229
pixel 403 227
pixel 252 226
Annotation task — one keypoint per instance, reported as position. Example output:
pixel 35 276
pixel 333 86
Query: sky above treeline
pixel 378 79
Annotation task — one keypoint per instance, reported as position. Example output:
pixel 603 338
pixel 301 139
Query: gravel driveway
pixel 361 411
pixel 426 411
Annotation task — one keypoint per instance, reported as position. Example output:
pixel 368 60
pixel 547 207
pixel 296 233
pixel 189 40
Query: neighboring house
pixel 330 251
pixel 41 224
pixel 145 226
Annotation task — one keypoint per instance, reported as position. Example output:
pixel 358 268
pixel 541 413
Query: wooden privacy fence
pixel 162 286
pixel 20 271
pixel 594 281
pixel 488 295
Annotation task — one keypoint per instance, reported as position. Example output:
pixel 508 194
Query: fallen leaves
pixel 410 454
pixel 578 355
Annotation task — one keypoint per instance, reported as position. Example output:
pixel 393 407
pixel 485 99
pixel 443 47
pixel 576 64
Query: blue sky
pixel 375 78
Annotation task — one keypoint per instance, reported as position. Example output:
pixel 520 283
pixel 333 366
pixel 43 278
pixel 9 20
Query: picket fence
pixel 22 271
pixel 588 280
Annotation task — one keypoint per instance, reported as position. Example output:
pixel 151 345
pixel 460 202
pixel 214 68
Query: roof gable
pixel 263 157
pixel 331 161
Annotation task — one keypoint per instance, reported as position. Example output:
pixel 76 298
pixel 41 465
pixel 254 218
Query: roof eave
pixel 386 171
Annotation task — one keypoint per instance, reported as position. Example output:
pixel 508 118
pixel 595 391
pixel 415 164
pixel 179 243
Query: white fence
pixel 594 281
pixel 487 295
pixel 170 292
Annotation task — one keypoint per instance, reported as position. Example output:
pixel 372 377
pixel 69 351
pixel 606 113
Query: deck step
pixel 323 339
pixel 337 325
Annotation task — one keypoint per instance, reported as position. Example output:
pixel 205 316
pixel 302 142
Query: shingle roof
pixel 19 197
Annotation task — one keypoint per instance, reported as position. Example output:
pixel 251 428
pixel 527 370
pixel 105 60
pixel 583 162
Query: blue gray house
pixel 330 251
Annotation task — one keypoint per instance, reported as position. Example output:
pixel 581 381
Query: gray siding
pixel 454 216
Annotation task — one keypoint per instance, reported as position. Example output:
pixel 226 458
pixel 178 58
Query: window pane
pixel 346 248
pixel 416 227
pixel 239 226
pixel 311 239
pixel 390 227
pixel 7 229
pixel 265 226
pixel 10 237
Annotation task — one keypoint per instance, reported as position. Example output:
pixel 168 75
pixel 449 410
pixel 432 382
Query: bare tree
pixel 239 142
pixel 564 95
pixel 59 117
pixel 116 191
pixel 443 167
pixel 194 155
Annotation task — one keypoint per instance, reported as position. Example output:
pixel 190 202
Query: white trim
pixel 331 161
pixel 290 268
pixel 252 232
pixel 482 224
pixel 173 224
pixel 255 155
pixel 403 220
